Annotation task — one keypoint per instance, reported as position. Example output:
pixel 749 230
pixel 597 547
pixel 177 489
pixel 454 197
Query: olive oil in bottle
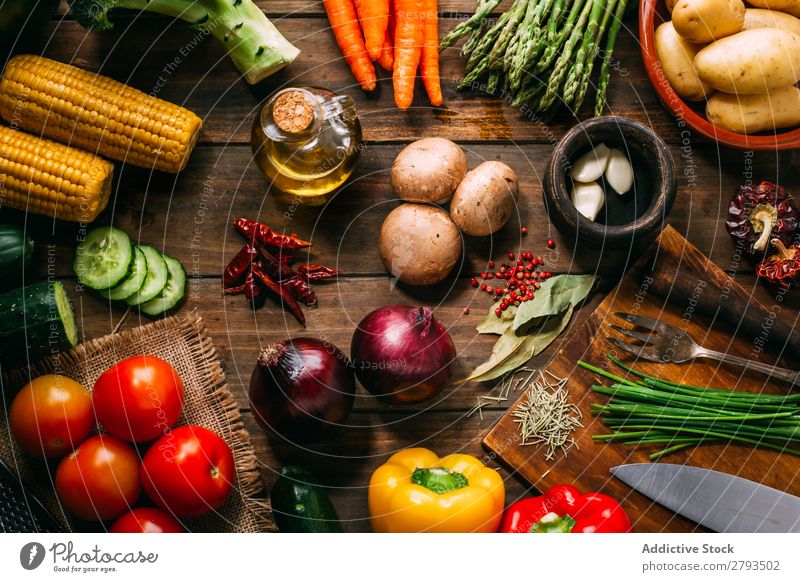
pixel 306 141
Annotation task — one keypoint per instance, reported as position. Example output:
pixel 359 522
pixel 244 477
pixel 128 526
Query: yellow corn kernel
pixel 44 177
pixel 96 113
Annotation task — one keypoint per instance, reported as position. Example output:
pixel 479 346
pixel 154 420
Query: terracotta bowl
pixel 652 12
pixel 640 213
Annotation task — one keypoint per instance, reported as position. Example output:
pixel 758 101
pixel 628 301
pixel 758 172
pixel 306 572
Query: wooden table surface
pixel 189 216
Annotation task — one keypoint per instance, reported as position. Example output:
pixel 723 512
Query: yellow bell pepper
pixel 416 491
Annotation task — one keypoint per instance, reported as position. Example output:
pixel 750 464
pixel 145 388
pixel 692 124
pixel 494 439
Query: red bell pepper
pixel 562 509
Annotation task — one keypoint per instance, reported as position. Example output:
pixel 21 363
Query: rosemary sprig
pixel 546 416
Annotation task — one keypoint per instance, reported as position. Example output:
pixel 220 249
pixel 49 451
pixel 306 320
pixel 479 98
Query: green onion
pixel 645 410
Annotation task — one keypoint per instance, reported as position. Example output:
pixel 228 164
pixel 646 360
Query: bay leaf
pixel 494 324
pixel 512 350
pixel 553 297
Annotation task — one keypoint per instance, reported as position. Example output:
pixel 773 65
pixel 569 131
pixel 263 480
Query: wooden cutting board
pixel 587 467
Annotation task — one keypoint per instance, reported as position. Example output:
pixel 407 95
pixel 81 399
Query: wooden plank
pixel 345 465
pixel 183 66
pixel 295 8
pixel 239 333
pixel 588 464
pixel 189 215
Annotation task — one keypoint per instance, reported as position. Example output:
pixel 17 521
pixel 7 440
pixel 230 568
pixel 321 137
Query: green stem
pixel 439 480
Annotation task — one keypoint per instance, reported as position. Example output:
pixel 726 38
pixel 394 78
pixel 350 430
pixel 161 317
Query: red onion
pixel 402 353
pixel 301 387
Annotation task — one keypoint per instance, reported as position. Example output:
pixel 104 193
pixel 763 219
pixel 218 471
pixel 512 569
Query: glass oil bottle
pixel 306 141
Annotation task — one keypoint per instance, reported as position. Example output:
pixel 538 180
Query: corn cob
pixel 96 113
pixel 44 177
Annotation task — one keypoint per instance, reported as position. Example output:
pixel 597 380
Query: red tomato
pixel 188 472
pixel 146 520
pixel 138 399
pixel 51 415
pixel 100 480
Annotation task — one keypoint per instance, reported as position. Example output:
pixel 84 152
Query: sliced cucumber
pixel 155 280
pixel 172 293
pixel 104 258
pixel 133 282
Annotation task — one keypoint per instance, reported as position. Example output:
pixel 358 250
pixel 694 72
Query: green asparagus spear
pixel 564 62
pixel 605 70
pixel 473 23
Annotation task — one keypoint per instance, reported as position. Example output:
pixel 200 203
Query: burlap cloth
pixel 208 402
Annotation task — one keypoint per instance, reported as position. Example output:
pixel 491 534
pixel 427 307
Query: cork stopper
pixel 293 112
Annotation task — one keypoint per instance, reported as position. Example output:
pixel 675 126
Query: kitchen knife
pixel 720 502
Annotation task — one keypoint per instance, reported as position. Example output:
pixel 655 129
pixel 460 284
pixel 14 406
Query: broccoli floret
pixel 256 47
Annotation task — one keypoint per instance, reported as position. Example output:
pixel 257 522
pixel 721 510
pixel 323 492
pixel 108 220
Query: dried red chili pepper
pixel 252 290
pixel 276 269
pixel 237 290
pixel 259 233
pixel 236 271
pixel 312 272
pixel 284 295
pixel 783 267
pixel 758 213
pixel 300 289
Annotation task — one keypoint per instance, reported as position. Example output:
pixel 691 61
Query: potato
pixel 419 244
pixel 428 170
pixel 752 113
pixel 676 56
pixel 789 6
pixel 702 21
pixel 758 18
pixel 670 5
pixel 485 199
pixel 753 61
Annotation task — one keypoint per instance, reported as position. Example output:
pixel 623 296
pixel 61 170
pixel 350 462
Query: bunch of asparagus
pixel 540 53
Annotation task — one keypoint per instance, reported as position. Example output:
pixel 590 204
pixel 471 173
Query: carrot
pixel 374 17
pixel 387 55
pixel 429 65
pixel 407 50
pixel 342 16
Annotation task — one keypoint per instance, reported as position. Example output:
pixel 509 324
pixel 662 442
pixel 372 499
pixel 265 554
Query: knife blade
pixel 719 501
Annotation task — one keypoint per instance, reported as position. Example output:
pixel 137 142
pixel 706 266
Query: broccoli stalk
pixel 256 47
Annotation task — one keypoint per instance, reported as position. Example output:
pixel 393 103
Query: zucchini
pixel 133 282
pixel 154 281
pixel 16 251
pixel 104 258
pixel 173 291
pixel 300 506
pixel 35 321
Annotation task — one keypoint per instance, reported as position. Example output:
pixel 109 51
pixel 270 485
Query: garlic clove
pixel 588 198
pixel 619 172
pixel 590 166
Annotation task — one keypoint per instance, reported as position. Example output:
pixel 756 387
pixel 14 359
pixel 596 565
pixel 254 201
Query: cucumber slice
pixel 156 277
pixel 172 293
pixel 133 282
pixel 104 258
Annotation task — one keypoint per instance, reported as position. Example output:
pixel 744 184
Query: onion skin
pixel 403 354
pixel 301 388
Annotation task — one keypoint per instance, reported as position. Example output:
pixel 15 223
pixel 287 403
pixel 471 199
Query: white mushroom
pixel 419 244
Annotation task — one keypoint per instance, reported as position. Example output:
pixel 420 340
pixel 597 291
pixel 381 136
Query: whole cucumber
pixel 16 253
pixel 35 321
pixel 300 506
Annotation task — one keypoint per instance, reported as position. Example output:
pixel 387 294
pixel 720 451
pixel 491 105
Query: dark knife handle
pixel 713 293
